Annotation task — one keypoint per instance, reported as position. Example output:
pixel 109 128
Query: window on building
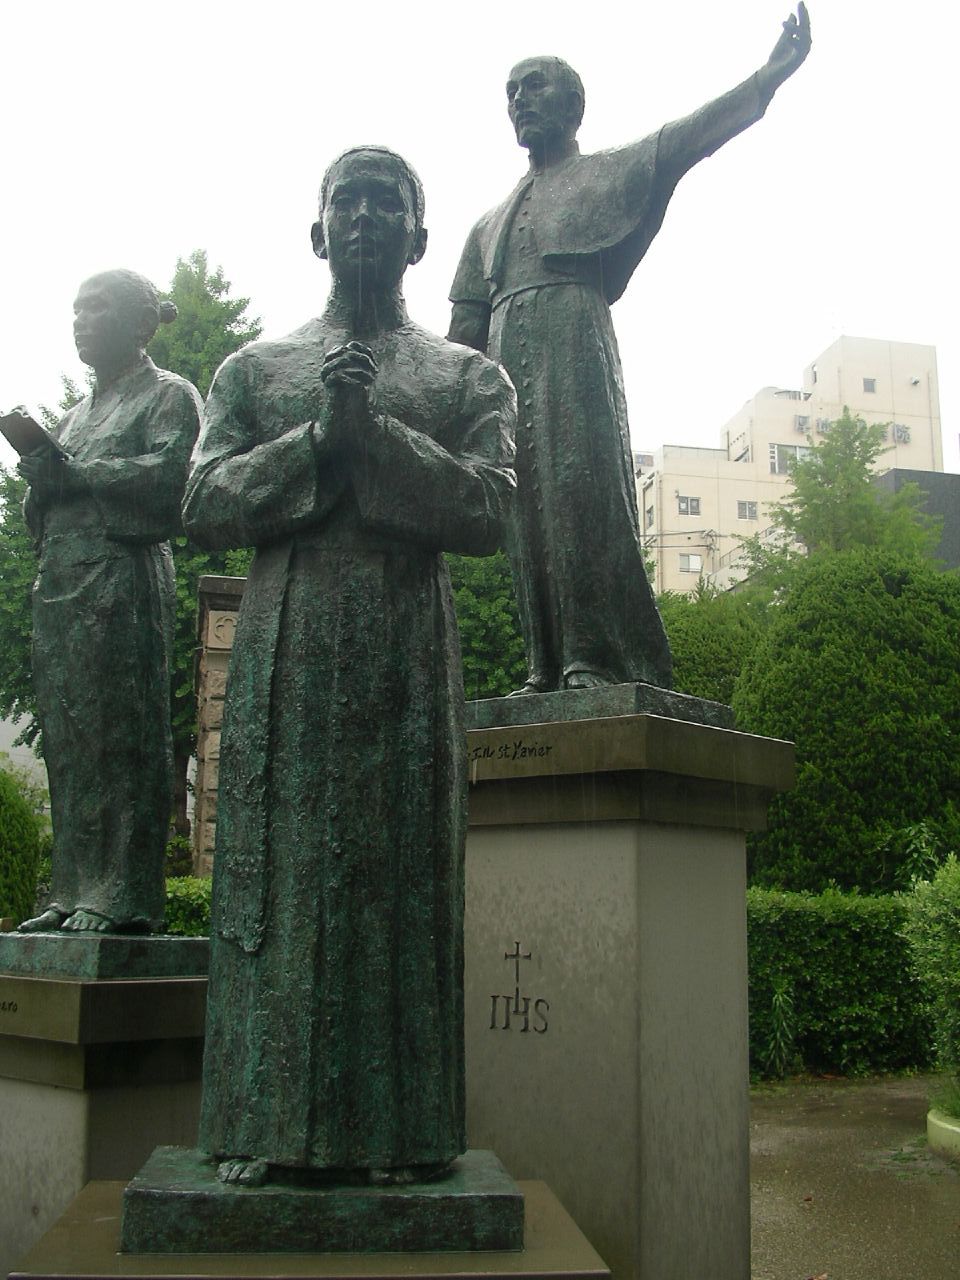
pixel 688 506
pixel 783 456
pixel 648 517
pixel 690 563
pixel 870 384
pixel 746 511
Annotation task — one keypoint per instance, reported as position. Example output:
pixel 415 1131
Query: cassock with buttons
pixel 547 263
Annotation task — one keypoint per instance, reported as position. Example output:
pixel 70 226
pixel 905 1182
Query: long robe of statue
pixel 534 287
pixel 102 644
pixel 335 1040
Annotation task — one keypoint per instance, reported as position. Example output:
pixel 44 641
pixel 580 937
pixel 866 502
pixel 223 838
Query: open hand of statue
pixel 792 47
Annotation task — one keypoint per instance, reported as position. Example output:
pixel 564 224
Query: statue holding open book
pixel 104 498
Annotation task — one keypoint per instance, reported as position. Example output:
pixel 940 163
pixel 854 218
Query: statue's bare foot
pixel 46 922
pixel 83 921
pixel 246 1173
pixel 584 680
pixel 533 685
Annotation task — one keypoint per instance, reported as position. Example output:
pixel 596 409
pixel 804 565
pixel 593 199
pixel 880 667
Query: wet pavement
pixel 844 1186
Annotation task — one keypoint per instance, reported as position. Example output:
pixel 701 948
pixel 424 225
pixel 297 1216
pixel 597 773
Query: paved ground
pixel 845 1188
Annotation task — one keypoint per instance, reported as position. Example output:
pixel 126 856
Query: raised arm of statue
pixel 685 142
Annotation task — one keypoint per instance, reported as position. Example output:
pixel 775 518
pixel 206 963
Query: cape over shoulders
pixel 307 345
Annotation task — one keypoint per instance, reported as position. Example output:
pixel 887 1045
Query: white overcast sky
pixel 133 134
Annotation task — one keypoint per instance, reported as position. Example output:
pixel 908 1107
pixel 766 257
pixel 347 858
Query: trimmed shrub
pixel 19 851
pixel 832 988
pixel 860 667
pixel 933 930
pixel 188 906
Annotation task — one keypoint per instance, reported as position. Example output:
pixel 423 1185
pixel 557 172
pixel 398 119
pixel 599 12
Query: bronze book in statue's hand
pixel 27 436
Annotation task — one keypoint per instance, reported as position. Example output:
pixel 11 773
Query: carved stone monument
pixel 534 288
pixel 351 454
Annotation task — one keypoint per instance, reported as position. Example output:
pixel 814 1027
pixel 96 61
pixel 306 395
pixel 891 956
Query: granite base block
pixel 92 956
pixel 177 1205
pixel 594 704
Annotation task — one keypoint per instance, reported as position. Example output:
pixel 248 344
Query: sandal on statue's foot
pixel 84 921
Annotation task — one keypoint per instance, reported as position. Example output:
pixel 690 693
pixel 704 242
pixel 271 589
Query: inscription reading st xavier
pixel 518 749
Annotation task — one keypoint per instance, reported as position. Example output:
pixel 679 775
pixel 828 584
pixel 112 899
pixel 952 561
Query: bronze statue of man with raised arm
pixel 534 288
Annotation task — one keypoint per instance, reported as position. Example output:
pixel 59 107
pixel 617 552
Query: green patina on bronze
pixel 351 454
pixel 593 704
pixel 534 288
pixel 97 955
pixel 103 613
pixel 176 1204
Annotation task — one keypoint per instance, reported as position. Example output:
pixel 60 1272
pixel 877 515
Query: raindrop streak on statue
pixel 103 607
pixel 351 454
pixel 534 288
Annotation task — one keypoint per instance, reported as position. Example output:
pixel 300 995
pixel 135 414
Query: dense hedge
pixel 188 906
pixel 860 667
pixel 831 983
pixel 933 928
pixel 832 987
pixel 19 851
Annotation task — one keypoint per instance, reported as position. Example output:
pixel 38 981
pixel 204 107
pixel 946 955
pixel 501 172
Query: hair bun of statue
pixel 168 311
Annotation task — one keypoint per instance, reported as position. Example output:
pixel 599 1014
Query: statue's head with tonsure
pixel 545 100
pixel 370 227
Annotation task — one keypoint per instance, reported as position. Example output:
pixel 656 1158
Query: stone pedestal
pixel 176 1204
pixel 606 983
pixel 93 1076
pixel 85 1243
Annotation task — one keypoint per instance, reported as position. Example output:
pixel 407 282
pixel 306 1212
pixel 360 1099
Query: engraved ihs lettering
pixel 518 1012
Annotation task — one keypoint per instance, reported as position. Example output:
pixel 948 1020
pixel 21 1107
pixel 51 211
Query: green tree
pixel 18 566
pixel 493 657
pixel 860 667
pixel 19 850
pixel 711 633
pixel 210 325
pixel 834 506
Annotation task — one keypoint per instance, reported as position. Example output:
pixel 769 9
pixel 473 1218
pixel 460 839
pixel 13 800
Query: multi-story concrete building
pixel 696 504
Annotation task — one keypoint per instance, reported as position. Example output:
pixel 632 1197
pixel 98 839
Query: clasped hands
pixel 349 373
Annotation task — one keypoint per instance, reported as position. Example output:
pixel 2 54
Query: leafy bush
pixel 933 929
pixel 493 658
pixel 178 857
pixel 831 985
pixel 19 851
pixel 188 906
pixel 860 667
pixel 710 633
